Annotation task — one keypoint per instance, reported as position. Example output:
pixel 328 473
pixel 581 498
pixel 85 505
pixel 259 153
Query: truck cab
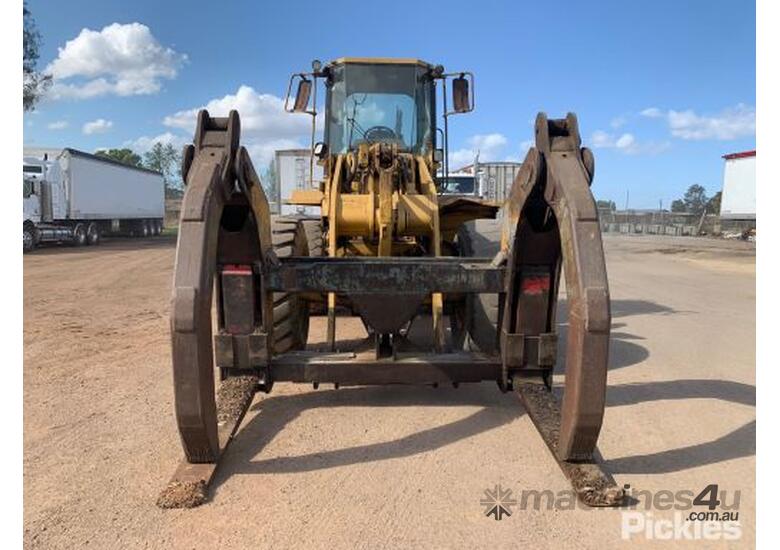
pixel 31 179
pixel 459 184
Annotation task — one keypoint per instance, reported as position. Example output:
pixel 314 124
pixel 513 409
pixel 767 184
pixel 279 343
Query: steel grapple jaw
pixel 552 223
pixel 224 221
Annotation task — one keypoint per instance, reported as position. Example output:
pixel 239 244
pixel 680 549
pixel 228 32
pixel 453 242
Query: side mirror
pixel 461 100
pixel 302 96
pixel 320 150
pixel 438 155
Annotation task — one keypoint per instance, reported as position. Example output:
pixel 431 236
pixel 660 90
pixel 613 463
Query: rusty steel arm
pixel 216 171
pixel 552 221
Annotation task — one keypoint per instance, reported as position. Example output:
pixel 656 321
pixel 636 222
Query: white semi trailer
pixel 77 197
pixel 293 172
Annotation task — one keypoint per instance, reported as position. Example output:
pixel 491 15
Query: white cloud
pixel 625 143
pixel 524 147
pixel 57 125
pixel 261 114
pixel 489 147
pixel 730 123
pixel 618 121
pixel 145 143
pixel 119 59
pixel 99 126
pixel 265 125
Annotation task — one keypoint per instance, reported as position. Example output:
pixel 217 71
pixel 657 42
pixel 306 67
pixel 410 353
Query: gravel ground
pixel 374 467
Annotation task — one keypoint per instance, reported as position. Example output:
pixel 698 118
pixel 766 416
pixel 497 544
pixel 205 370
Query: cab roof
pixel 382 60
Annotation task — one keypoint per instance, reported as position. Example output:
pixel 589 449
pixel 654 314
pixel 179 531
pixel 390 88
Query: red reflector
pixel 535 284
pixel 237 269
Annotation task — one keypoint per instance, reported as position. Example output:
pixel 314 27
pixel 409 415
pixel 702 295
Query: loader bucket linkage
pixel 231 253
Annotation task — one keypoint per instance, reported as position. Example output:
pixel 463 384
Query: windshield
pixel 457 185
pixel 373 103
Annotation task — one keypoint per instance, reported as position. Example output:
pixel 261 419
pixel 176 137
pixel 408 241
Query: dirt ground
pixel 375 467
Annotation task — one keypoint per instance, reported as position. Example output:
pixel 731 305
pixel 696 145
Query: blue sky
pixel 662 89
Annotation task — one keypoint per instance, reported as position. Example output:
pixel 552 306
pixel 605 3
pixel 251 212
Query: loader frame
pixel 224 254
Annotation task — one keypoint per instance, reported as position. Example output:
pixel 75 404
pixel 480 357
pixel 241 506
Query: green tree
pixel 695 199
pixel 125 156
pixel 268 179
pixel 713 205
pixel 166 159
pixel 678 206
pixel 35 84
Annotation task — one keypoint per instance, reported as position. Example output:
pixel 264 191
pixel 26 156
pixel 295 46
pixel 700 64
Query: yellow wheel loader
pixel 396 248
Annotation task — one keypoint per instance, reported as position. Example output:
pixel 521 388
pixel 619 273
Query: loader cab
pixel 387 100
pixel 369 102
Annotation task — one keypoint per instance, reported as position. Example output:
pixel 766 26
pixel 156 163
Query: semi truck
pixel 487 180
pixel 77 198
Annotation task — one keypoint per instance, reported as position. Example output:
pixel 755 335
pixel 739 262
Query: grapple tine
pixel 189 485
pixel 593 485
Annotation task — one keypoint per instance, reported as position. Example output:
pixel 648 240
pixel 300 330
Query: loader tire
pixel 481 239
pixel 317 248
pixel 313 230
pixel 291 313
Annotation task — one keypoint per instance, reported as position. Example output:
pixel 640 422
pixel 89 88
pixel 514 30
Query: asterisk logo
pixel 498 502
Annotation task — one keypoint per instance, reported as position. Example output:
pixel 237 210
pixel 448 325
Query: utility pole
pixel 626 201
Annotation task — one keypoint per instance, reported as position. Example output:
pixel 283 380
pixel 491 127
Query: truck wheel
pixel 158 225
pixel 29 238
pixel 291 313
pixel 481 239
pixel 93 234
pixel 79 235
pixel 145 229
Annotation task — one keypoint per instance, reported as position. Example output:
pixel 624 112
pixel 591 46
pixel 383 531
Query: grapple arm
pixel 218 173
pixel 552 221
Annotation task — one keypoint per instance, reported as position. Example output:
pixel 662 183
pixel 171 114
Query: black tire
pixel 30 238
pixel 80 235
pixel 145 230
pixel 291 312
pixel 317 248
pixel 481 239
pixel 93 234
pixel 314 242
